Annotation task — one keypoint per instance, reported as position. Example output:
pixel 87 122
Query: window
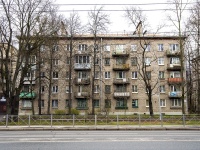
pixel 107 61
pixel 175 74
pixel 107 89
pixel 42 89
pixel 120 75
pixel 120 61
pixel 160 61
pixel 147 47
pixel 54 103
pixel 67 75
pixel 174 60
pixel 148 75
pixel 82 59
pixel 162 103
pixel 176 102
pixel 55 75
pixel 26 88
pixel 107 75
pixel 32 59
pixel 134 89
pixel 96 88
pixel 119 48
pixel 96 103
pixel 68 47
pixel 135 103
pixel 67 103
pixel 147 61
pixel 42 74
pixel 42 48
pixel 55 89
pixel 174 88
pixel 96 61
pixel 147 103
pixel 121 103
pixel 96 76
pixel 82 75
pixel 174 47
pixel 26 104
pixel 82 103
pixel 107 103
pixel 55 47
pixel 107 48
pixel 162 88
pixel 67 60
pixel 55 61
pixel 134 61
pixel 161 75
pixel 82 47
pixel 134 75
pixel 133 47
pixel 67 89
pixel 42 103
pixel 120 88
pixel 160 47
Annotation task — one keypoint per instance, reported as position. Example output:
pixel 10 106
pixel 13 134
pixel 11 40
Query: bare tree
pixel 97 23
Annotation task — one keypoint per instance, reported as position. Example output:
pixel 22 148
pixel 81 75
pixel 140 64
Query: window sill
pixel 135 92
pixel 122 107
pixel 134 106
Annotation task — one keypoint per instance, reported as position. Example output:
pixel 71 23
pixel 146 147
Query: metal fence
pixel 88 120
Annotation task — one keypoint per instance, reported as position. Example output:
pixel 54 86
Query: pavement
pixel 98 127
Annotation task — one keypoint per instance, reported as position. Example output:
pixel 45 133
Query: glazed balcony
pixel 176 94
pixel 175 80
pixel 121 94
pixel 121 81
pixel 124 53
pixel 81 94
pixel 85 66
pixel 78 81
pixel 29 80
pixel 174 67
pixel 172 53
pixel 121 67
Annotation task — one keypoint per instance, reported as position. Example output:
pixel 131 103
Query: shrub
pixel 75 112
pixel 60 112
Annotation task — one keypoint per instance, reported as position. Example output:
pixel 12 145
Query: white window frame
pixel 107 48
pixel 26 104
pixel 174 60
pixel 55 75
pixel 135 101
pixel 55 62
pixel 175 74
pixel 55 89
pixel 133 47
pixel 134 89
pixel 147 61
pixel 107 75
pixel 107 61
pixel 82 47
pixel 176 103
pixel 54 103
pixel 67 89
pixel 162 102
pixel 147 47
pixel 160 47
pixel 96 76
pixel 162 88
pixel 174 47
pixel 122 74
pixel 161 61
pixel 134 75
pixel 147 103
pixel 161 74
pixel 96 88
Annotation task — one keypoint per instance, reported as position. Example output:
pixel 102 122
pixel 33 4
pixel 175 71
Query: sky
pixel 153 9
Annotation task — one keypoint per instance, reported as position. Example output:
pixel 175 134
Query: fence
pixel 86 120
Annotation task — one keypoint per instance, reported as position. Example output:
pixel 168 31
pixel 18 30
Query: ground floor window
pixel 176 102
pixel 42 103
pixel 162 103
pixel 81 103
pixel 66 103
pixel 121 104
pixel 54 103
pixel 96 103
pixel 26 103
pixel 107 103
pixel 135 103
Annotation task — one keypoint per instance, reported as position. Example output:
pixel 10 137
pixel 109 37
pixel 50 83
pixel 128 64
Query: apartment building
pixel 119 86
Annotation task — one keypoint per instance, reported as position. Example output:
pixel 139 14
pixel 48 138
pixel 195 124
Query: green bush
pixel 75 112
pixel 60 112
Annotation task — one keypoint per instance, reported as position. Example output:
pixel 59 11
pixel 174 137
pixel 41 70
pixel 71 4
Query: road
pixel 100 140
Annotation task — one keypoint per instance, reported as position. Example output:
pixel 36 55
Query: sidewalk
pixel 98 127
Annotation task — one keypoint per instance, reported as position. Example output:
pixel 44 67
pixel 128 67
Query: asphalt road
pixel 99 140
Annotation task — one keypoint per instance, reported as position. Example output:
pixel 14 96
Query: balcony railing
pixel 121 81
pixel 121 53
pixel 173 53
pixel 121 94
pixel 81 94
pixel 175 80
pixel 84 66
pixel 174 66
pixel 29 80
pixel 82 81
pixel 175 94
pixel 121 67
pixel 29 95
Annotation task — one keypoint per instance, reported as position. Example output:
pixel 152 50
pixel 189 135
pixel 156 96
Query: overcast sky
pixel 119 23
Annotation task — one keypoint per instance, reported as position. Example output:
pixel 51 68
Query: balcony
pixel 121 94
pixel 172 53
pixel 121 81
pixel 174 67
pixel 124 53
pixel 81 95
pixel 29 80
pixel 175 94
pixel 175 80
pixel 121 67
pixel 30 95
pixel 86 66
pixel 78 81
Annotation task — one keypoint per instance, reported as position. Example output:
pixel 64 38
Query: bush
pixel 60 112
pixel 75 112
